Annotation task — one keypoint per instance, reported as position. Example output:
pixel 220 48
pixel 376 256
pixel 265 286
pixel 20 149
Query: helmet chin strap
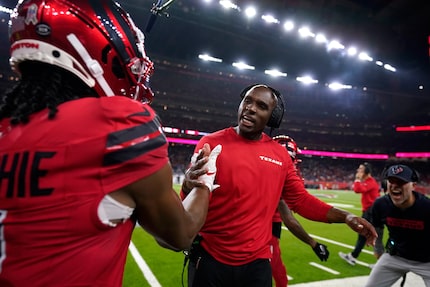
pixel 93 66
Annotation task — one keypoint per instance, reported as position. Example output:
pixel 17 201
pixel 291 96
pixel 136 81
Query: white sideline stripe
pixel 340 244
pixel 324 268
pixel 147 273
pixel 362 263
pixel 342 205
pixel 336 243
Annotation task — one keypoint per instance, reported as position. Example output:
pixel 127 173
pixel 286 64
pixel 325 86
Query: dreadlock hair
pixel 41 86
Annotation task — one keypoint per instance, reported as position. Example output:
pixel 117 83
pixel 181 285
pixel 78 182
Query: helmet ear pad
pixel 277 113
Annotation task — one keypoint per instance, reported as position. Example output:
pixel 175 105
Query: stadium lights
pixel 275 73
pixel 306 80
pixel 288 25
pixel 6 10
pixel 171 130
pixel 242 66
pixel 352 51
pixel 304 32
pixel 364 57
pixel 389 68
pixel 339 86
pixel 250 12
pixel 192 132
pixel 335 45
pixel 229 5
pixel 206 57
pixel 320 38
pixel 379 63
pixel 270 19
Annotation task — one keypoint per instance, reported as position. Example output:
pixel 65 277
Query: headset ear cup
pixel 367 168
pixel 276 117
pixel 278 112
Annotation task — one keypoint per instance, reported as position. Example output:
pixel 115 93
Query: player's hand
pixel 199 167
pixel 321 251
pixel 195 169
pixel 362 227
pixel 209 177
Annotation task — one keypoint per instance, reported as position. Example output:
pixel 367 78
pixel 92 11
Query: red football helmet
pixel 290 145
pixel 95 40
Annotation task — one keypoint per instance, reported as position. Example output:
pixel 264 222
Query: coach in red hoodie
pixel 368 187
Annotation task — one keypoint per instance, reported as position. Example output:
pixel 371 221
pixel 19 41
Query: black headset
pixel 367 168
pixel 277 113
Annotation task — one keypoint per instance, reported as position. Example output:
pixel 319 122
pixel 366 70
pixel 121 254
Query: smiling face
pixel 254 111
pixel 400 192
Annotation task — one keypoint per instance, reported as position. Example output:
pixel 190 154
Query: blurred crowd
pixel 318 172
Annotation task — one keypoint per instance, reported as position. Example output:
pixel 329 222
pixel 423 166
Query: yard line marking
pixel 147 273
pixel 340 244
pixel 335 242
pixel 324 268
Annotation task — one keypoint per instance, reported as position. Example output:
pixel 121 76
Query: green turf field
pixel 164 267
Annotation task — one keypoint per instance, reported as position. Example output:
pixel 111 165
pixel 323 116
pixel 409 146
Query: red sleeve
pixel 300 201
pixel 135 145
pixel 360 187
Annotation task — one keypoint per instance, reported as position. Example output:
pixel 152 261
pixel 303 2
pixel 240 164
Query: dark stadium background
pixel 195 95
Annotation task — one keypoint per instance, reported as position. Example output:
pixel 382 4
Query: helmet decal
pixel 31 16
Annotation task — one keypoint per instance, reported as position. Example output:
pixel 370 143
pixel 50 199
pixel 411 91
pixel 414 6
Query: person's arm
pixel 379 249
pixel 160 211
pixel 356 223
pixel 293 225
pixel 377 222
pixel 310 207
pixel 360 185
pixel 298 231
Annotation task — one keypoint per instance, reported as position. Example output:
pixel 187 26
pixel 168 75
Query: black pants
pixel 205 271
pixel 361 241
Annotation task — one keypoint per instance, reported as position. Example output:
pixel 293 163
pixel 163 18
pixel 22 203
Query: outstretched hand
pixel 362 227
pixel 209 177
pixel 202 169
pixel 321 251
